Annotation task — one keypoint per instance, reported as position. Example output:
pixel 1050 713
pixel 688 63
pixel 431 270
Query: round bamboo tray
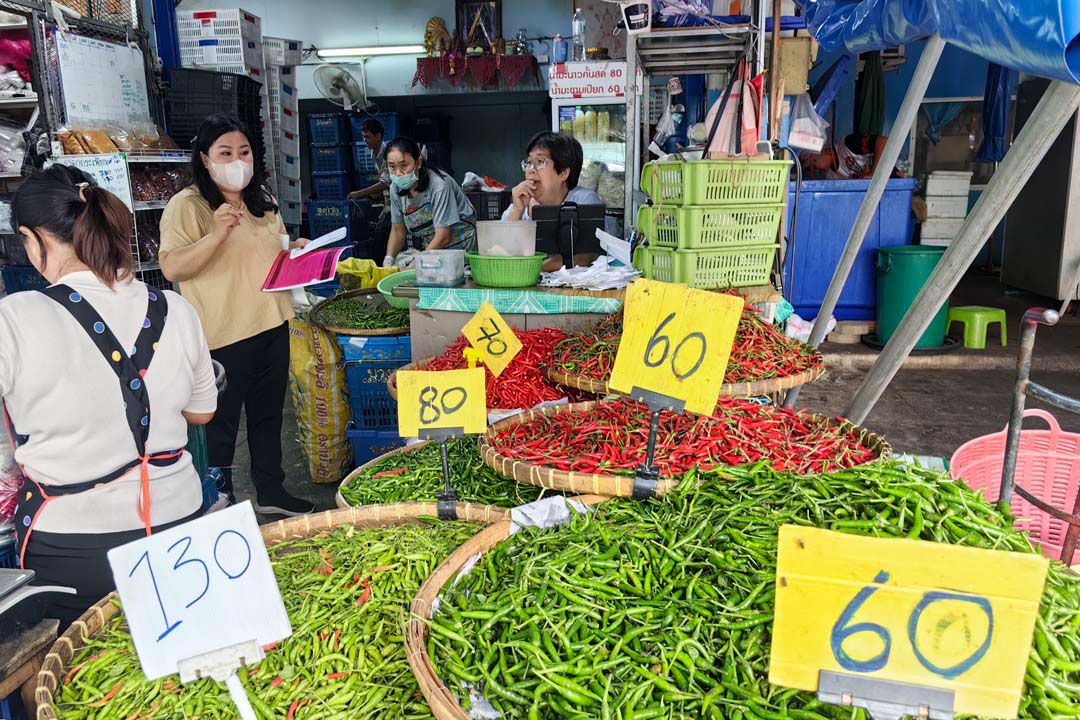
pixel 59 659
pixel 391 382
pixel 341 502
pixel 442 703
pixel 757 388
pixel 378 300
pixel 567 481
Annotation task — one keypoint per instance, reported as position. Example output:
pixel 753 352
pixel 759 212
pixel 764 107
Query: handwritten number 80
pixel 842 630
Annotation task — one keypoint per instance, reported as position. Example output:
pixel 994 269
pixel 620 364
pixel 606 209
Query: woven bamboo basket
pixel 443 705
pixel 616 485
pixel 757 388
pixel 59 659
pixel 377 299
pixel 391 382
pixel 351 477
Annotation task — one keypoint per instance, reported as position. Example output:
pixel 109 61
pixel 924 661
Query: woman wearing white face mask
pixel 426 204
pixel 219 238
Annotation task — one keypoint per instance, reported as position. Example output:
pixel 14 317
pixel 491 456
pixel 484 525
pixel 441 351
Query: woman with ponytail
pixel 99 376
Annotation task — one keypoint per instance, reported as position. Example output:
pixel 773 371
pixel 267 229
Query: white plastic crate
pixel 286 119
pixel 221 52
pixel 222 22
pixel 941 228
pixel 944 206
pixel 948 182
pixel 287 142
pixel 280 51
pixel 290 166
pixel 290 190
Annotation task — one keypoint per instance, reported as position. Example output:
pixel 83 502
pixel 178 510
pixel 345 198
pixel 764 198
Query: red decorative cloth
pixel 481 70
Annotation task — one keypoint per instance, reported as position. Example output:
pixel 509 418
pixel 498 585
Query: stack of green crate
pixel 714 222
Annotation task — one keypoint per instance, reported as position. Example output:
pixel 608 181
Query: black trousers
pixel 257 372
pixel 79 560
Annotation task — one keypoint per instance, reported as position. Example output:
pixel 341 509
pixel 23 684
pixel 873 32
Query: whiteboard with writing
pixel 199 587
pixel 104 83
pixel 109 172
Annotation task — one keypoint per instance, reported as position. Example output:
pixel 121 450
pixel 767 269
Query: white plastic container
pixel 440 268
pixel 509 238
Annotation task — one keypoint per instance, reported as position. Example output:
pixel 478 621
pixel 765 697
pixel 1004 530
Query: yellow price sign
pixel 920 613
pixel 488 333
pixel 447 400
pixel 676 342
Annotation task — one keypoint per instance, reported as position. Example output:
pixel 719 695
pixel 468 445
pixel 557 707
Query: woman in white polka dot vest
pixel 99 375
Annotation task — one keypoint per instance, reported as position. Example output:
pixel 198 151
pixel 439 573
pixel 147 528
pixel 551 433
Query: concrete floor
pixel 934 404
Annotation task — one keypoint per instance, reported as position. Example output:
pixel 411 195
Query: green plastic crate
pixel 716 182
pixel 709 269
pixel 695 227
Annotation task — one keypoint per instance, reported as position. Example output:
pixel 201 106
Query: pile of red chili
pixel 761 351
pixel 522 383
pixel 611 439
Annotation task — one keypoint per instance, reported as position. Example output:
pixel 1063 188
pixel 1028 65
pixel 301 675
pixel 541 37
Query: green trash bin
pixel 901 273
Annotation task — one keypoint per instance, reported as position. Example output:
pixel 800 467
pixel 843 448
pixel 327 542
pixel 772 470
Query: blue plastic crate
pixel 18 279
pixel 331 158
pixel 389 122
pixel 370 444
pixel 6 713
pixel 331 185
pixel 327 216
pixel 368 363
pixel 363 160
pixel 329 129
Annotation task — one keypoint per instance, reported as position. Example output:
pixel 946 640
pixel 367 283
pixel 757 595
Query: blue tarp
pixel 1041 37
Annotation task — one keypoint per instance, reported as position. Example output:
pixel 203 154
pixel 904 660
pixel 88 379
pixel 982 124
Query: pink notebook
pixel 308 269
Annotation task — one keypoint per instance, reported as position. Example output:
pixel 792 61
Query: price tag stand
pixel 885 699
pixel 447 499
pixel 221 665
pixel 647 474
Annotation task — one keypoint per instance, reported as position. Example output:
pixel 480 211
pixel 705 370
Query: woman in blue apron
pixel 99 376
pixel 426 205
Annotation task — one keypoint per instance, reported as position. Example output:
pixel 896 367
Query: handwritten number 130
pixel 843 629
pixel 182 564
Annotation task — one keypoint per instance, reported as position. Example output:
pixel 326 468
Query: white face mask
pixel 233 176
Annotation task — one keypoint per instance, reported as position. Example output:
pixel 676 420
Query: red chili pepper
pixel 365 595
pixel 292 709
pixel 389 473
pixel 336 676
pixel 276 682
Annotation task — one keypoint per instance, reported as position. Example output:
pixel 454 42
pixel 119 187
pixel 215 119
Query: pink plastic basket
pixel 1047 466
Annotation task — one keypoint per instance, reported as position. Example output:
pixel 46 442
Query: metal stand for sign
pixel 447 499
pixel 648 476
pixel 885 699
pixel 221 665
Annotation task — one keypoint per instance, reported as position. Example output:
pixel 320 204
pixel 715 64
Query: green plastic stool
pixel 976 318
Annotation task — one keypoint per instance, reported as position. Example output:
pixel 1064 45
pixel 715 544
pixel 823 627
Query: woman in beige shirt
pixel 219 238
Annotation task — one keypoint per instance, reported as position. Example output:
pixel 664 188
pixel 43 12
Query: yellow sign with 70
pixel 920 613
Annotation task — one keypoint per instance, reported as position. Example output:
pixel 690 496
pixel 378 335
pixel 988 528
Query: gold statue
pixel 436 37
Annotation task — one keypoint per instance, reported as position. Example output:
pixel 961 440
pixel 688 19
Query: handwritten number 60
pixel 842 630
pixel 655 343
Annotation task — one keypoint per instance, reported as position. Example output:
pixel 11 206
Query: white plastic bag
pixel 808 129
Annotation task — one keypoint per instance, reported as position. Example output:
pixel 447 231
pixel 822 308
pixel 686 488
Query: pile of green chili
pixel 417 476
pixel 664 608
pixel 347 595
pixel 360 313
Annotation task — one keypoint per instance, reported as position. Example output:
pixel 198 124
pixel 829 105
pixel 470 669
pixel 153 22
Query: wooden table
pixel 21 658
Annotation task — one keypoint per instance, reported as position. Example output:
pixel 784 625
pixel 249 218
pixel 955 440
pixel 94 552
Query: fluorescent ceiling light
pixel 372 50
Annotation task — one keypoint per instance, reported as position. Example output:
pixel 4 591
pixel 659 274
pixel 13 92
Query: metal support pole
pixel 632 131
pixel 1028 326
pixel 1056 108
pixel 762 7
pixel 774 74
pixel 882 171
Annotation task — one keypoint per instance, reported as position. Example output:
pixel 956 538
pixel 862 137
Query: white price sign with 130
pixel 199 587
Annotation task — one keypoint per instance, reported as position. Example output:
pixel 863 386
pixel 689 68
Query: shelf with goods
pixel 145 183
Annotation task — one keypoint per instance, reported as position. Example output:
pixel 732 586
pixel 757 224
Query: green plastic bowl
pixel 506 272
pixel 390 282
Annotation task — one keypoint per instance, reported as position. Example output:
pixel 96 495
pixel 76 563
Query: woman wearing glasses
pixel 426 204
pixel 552 167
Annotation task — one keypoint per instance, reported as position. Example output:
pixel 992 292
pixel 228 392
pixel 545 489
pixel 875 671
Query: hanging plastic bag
pixel 734 118
pixel 808 129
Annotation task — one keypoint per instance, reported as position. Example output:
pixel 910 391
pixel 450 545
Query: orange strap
pixel 144 485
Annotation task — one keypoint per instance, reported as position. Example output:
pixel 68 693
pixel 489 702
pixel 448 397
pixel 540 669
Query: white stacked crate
pixel 230 40
pixel 946 206
pixel 281 56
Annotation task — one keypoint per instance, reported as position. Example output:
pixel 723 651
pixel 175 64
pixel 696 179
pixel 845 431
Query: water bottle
pixel 578 26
